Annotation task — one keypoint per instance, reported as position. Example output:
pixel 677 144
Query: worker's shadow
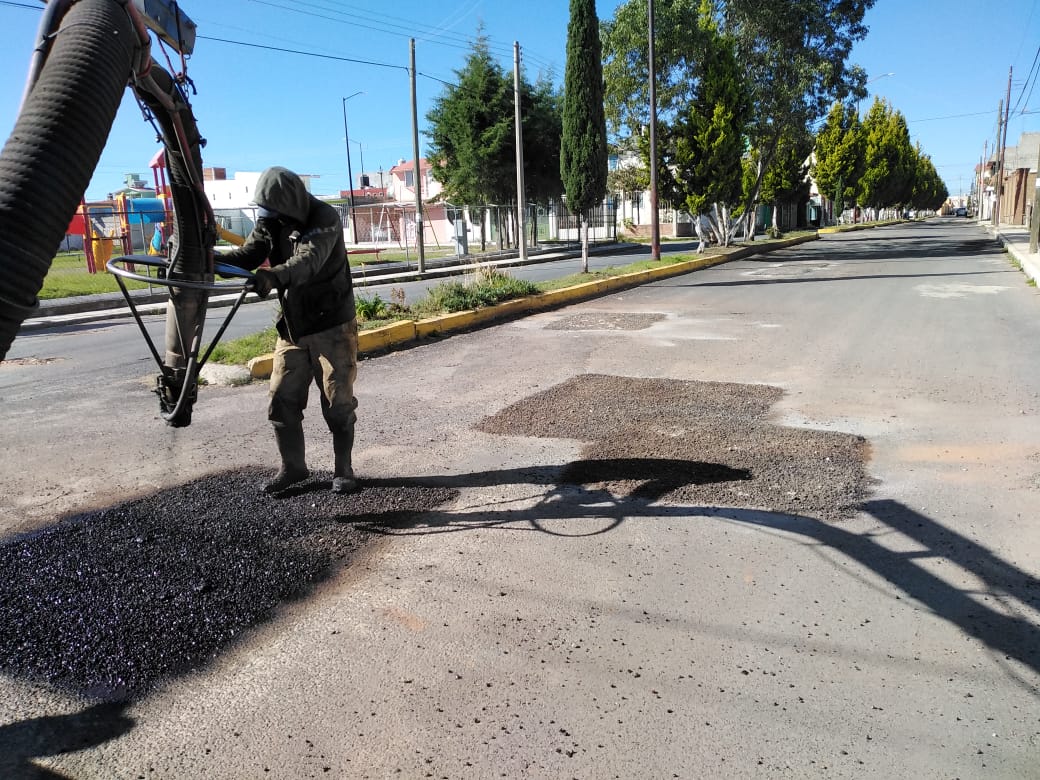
pixel 600 489
pixel 51 735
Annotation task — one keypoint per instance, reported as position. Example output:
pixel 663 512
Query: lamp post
pixel 868 81
pixel 361 150
pixel 350 174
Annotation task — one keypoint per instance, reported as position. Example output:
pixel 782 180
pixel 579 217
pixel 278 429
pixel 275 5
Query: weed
pixel 373 308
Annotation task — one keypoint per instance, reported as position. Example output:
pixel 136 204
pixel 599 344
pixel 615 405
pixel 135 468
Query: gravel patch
pixel 113 602
pixel 701 444
pixel 606 321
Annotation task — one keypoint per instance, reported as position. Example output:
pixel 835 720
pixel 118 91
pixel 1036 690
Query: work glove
pixel 264 280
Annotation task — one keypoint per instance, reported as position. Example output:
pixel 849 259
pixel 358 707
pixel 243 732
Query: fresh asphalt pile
pixel 694 444
pixel 111 603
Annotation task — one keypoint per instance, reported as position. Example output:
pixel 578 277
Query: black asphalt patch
pixel 696 444
pixel 111 603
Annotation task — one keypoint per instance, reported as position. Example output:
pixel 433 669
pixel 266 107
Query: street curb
pixel 402 333
pixel 1028 265
pixel 852 228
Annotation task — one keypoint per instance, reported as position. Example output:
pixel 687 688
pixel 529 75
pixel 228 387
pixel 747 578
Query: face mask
pixel 280 236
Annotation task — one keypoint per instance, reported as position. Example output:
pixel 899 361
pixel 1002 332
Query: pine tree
pixel 471 135
pixel 838 162
pixel 583 148
pixel 888 175
pixel 706 145
pixel 786 180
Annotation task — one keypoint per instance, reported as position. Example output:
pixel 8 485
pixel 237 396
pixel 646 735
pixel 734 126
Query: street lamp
pixel 868 81
pixel 361 149
pixel 350 173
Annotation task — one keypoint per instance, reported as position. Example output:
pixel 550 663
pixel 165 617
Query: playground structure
pixel 86 54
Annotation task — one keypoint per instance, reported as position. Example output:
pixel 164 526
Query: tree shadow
pixel 808 279
pixel 52 735
pixel 1010 634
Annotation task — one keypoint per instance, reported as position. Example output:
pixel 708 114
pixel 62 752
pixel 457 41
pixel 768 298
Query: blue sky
pixel 259 107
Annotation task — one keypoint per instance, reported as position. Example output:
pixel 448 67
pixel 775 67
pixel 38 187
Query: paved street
pixel 530 623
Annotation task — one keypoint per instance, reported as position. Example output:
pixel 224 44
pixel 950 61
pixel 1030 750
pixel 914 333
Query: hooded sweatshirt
pixel 304 242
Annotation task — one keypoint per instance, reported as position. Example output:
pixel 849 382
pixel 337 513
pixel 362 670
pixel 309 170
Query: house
pixel 1018 183
pixel 393 219
pixel 232 199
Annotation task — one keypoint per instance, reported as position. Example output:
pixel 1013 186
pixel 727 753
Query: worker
pixel 301 237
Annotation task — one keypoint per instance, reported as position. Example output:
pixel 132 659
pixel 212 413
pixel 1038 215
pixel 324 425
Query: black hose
pixel 48 161
pixel 191 244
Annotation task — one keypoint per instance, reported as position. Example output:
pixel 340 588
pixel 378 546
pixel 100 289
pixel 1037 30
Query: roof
pixel 409 165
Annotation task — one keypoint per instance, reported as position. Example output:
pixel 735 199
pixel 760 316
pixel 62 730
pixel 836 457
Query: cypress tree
pixel 583 147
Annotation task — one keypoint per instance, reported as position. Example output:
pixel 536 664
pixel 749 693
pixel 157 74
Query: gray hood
pixel 281 190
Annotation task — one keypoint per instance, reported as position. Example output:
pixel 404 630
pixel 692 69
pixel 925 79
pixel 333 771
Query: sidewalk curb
pixel 90 309
pixel 1028 263
pixel 406 332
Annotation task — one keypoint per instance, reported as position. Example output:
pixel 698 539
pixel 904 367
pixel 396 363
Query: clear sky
pixel 257 106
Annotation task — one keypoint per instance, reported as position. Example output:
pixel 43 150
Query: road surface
pixel 578 552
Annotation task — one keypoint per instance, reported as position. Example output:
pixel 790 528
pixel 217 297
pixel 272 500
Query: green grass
pixel 241 351
pixel 488 287
pixel 68 277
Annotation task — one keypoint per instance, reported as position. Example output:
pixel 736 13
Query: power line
pixel 1030 77
pixel 304 53
pixel 382 23
pixel 951 116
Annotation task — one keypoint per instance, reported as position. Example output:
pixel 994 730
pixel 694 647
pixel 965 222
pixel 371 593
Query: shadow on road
pixel 815 277
pixel 1009 627
pixel 22 741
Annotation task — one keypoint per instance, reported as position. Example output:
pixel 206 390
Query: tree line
pixel 751 98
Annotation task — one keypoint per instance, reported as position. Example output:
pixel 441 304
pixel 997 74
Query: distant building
pixel 1018 183
pixel 232 199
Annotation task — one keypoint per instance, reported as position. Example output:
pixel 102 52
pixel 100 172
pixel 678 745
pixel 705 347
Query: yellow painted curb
pixel 260 367
pixel 382 338
pixel 398 333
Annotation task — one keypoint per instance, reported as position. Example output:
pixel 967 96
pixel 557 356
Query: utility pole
pixel 350 173
pixel 521 198
pixel 655 223
pixel 1005 109
pixel 982 181
pixel 416 175
pixel 996 172
pixel 1034 222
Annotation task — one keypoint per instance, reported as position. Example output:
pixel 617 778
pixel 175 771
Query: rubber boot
pixel 343 480
pixel 294 461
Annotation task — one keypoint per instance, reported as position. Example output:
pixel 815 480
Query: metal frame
pixel 115 267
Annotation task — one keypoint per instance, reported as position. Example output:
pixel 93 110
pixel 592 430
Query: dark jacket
pixel 307 254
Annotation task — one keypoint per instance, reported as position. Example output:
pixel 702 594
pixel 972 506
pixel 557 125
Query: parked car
pixel 960 212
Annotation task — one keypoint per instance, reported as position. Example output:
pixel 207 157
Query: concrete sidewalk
pixel 1015 239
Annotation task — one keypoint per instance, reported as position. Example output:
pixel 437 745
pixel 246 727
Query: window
pixel 409 178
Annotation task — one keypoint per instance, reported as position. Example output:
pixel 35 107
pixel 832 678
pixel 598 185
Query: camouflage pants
pixel 329 358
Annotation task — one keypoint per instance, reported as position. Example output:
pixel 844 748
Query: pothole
pixel 698 444
pixel 30 361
